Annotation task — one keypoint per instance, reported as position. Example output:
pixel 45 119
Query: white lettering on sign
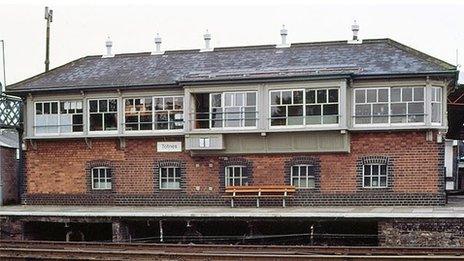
pixel 169 146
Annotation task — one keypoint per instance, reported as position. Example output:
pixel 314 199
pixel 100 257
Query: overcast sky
pixel 80 28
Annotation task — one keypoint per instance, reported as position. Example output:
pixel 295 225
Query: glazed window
pixel 436 104
pixel 58 117
pixel 233 109
pixel 407 105
pixel 304 107
pixel 235 176
pixel 169 177
pixel 101 178
pixel 138 114
pixel 103 115
pixel 302 176
pixel 169 113
pixel 71 118
pixel 372 106
pixel 46 118
pixel 398 105
pixel 375 176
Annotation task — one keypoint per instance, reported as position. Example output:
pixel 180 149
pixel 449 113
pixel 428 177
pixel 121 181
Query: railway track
pixel 144 251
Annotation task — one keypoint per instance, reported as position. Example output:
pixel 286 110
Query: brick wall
pixel 57 172
pixel 421 232
pixel 8 170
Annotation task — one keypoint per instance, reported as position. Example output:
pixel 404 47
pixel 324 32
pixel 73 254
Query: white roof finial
pixel 207 38
pixel 283 36
pixel 157 44
pixel 109 45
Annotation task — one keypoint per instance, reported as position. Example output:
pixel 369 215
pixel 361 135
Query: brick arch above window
pixel 375 160
pixel 99 164
pixel 169 163
pixel 303 160
pixel 235 161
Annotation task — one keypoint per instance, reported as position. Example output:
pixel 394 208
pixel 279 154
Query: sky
pixel 80 28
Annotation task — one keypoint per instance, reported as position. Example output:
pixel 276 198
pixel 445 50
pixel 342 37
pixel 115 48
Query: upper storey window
pixel 399 105
pixel 304 107
pixel 233 109
pixel 158 113
pixel 58 117
pixel 436 104
pixel 103 115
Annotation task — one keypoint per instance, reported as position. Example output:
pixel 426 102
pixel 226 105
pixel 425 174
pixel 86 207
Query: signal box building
pixel 357 123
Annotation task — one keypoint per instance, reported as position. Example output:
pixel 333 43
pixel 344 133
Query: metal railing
pixel 10 112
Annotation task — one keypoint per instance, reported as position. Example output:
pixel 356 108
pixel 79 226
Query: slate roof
pixel 372 57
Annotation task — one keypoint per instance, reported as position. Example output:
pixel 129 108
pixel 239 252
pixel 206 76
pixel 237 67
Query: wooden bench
pixel 258 192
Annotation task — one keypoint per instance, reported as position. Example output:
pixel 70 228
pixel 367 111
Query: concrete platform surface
pixel 449 211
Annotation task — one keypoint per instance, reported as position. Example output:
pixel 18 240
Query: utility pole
pixel 4 69
pixel 49 18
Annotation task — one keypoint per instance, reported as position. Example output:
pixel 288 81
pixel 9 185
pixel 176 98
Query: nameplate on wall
pixel 169 146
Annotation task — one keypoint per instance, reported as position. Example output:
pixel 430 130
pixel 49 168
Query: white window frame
pixel 378 175
pixel 103 120
pixel 242 110
pixel 307 178
pixel 242 178
pixel 169 111
pixel 105 171
pixel 176 177
pixel 58 126
pixel 138 115
pixel 304 104
pixel 389 124
pixel 436 101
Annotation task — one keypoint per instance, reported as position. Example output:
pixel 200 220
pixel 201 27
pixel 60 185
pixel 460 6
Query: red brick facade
pixel 57 172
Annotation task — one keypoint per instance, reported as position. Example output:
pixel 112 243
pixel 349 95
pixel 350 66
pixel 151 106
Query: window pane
pixel 383 169
pixel 380 109
pixel 363 114
pixel 321 96
pixel 102 105
pixel 367 181
pixel 54 107
pixel 178 103
pixel 250 116
pixel 228 99
pixel 111 121
pixel 251 99
pixel 46 108
pixel 407 94
pixel 372 95
pixel 360 96
pixel 367 170
pixel 161 120
pixel 286 97
pixel 159 104
pixel 313 114
pixel 295 115
pixel 414 110
pixel 436 112
pixel 330 109
pixel 275 98
pixel 399 112
pixel 333 95
pixel 375 170
pixel 396 94
pixel 77 122
pixel 38 108
pixel 375 181
pixel 383 95
pixel 297 97
pixel 279 112
pixel 239 99
pixel 96 122
pixel 311 96
pixel 168 103
pixel 383 181
pixel 311 183
pixel 232 117
pixel 418 94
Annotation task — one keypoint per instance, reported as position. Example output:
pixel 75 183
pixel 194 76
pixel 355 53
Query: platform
pixel 449 211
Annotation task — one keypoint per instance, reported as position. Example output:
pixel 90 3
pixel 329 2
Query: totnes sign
pixel 169 146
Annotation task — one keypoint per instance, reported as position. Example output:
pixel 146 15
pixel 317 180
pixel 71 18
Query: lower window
pixel 169 178
pixel 375 176
pixel 302 176
pixel 235 176
pixel 101 178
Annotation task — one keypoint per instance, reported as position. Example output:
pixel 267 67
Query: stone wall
pixel 421 232
pixel 57 172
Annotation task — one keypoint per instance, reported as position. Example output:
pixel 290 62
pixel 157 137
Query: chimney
pixel 207 37
pixel 157 44
pixel 283 35
pixel 355 29
pixel 108 45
